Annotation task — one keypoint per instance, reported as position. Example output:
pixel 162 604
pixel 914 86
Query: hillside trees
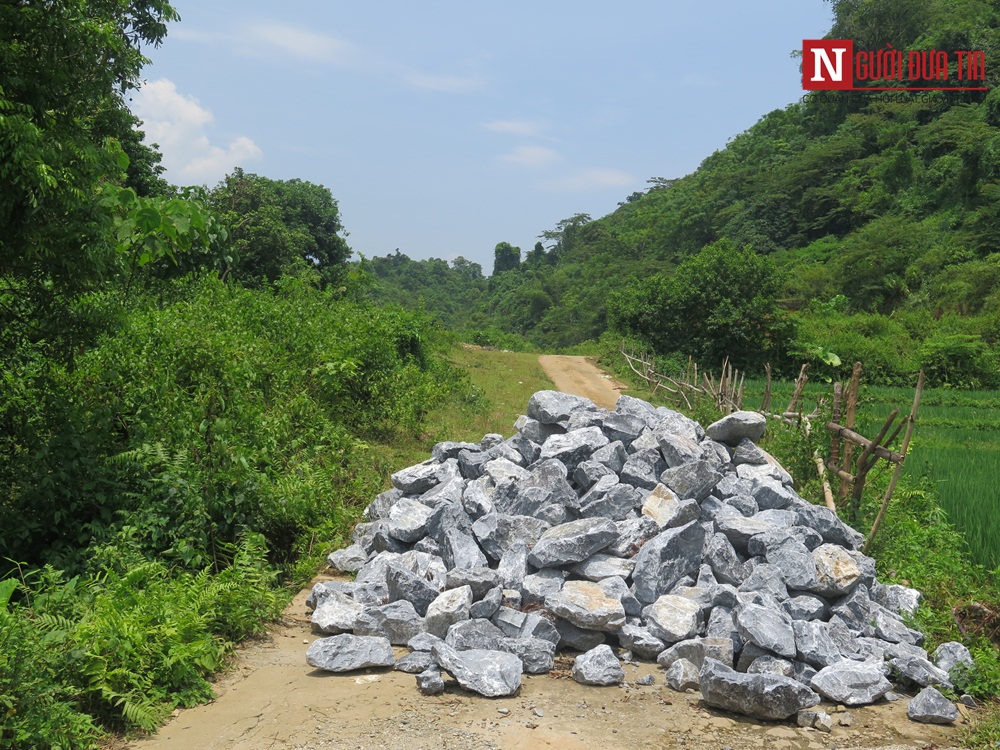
pixel 720 302
pixel 277 223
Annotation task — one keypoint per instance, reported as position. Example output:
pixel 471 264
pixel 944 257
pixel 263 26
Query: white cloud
pixel 301 44
pixel 588 179
pixel 267 39
pixel 447 83
pixel 531 156
pixel 524 128
pixel 178 124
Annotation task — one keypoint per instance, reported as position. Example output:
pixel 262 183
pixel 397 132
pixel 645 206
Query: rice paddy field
pixel 955 447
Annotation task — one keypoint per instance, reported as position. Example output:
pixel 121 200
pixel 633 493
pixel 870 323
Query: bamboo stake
pixel 827 491
pixel 870 446
pixel 863 466
pixel 838 393
pixel 852 407
pixel 800 383
pixel 899 467
pixel 766 403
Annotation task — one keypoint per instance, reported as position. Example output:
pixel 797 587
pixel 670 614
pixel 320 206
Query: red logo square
pixel 827 64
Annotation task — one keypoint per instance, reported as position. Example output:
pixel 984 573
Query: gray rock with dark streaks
pixel 806 607
pixel 667 558
pixel 346 652
pixel 513 565
pixel 623 427
pixel 489 673
pixel 725 563
pixel 696 650
pixel 415 663
pixel 408 520
pixel 640 641
pixel 929 706
pixel 739 425
pixel 570 636
pixel 740 529
pixel 917 671
pixel 336 613
pixel 851 683
pixel 549 407
pixel 403 584
pixel 747 452
pixel 618 503
pixel 536 586
pixel 678 449
pixel 572 542
pixel 350 559
pixel 825 522
pixel 575 446
pixel 789 555
pixel 430 681
pixel 536 654
pixel 613 456
pixel 949 655
pixel 770 629
pixel 397 621
pixel 449 607
pixel 632 534
pixel 478 633
pixel 767 579
pixel 598 666
pixel 534 430
pixel 762 696
pixel 415 480
pixel 480 580
pixel 682 675
pixel 691 481
pixel 814 645
pixel 769 493
pixel 587 605
pixel 488 605
pixel 461 551
pixel 643 468
pixel 667 509
pixel 380 506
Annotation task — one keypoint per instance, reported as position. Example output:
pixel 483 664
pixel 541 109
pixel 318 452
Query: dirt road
pixel 579 376
pixel 273 699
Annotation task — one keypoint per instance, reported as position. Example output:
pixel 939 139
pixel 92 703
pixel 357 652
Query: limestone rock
pixel 683 675
pixel 739 425
pixel 572 542
pixel 930 707
pixel 851 683
pixel 346 652
pixel 490 673
pixel 599 666
pixel 587 605
pixel 762 696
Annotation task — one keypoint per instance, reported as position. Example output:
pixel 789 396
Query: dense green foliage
pixel 191 389
pixel 881 218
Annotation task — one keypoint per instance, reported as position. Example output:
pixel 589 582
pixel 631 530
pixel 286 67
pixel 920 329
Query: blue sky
pixel 444 127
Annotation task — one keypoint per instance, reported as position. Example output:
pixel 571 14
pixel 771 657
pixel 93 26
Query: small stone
pixel 430 682
pixel 646 680
pixel 350 559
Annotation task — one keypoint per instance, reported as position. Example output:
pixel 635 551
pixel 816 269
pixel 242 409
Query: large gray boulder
pixel 402 584
pixel 415 480
pixel 397 621
pixel 336 613
pixel 574 446
pixel 673 618
pixel 598 666
pixel 587 605
pixel 930 707
pixel 851 683
pixel 767 627
pixel 449 607
pixel 763 696
pixel 550 407
pixel 739 425
pixel 665 559
pixel 572 542
pixel 346 652
pixel 490 673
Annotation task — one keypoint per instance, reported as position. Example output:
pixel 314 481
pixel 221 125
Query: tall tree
pixel 506 257
pixel 277 223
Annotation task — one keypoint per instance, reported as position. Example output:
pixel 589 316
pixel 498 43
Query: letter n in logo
pixel 827 64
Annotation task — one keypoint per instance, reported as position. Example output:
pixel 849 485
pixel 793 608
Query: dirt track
pixel 273 699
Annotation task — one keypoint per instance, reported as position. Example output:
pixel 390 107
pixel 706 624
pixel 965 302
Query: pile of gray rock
pixel 627 534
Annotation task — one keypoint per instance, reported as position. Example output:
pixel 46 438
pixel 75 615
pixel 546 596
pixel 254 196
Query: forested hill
pixel 875 216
